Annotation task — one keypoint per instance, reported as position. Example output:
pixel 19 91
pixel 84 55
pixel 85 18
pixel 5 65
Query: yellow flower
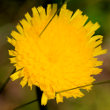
pixel 64 56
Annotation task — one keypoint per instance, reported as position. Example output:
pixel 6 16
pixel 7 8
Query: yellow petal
pixel 35 12
pixel 23 82
pixel 65 14
pixel 41 10
pixel 12 60
pixel 11 41
pixel 15 76
pixel 12 52
pixel 88 88
pixel 99 51
pixel 15 35
pixel 44 99
pixel 77 13
pixel 28 17
pixel 25 24
pixel 49 9
pixel 19 28
pixel 59 98
pixel 99 63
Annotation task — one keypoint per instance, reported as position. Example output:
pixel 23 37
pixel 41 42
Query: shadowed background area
pixel 11 11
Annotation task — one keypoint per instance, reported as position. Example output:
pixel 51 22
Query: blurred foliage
pixel 11 11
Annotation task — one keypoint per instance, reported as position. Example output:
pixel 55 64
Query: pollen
pixel 64 56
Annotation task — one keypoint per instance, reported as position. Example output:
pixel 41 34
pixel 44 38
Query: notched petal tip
pixel 34 11
pixel 48 9
pixel 12 60
pixel 98 51
pixel 28 17
pixel 59 98
pixel 15 75
pixel 23 82
pixel 11 52
pixel 78 12
pixel 64 6
pixel 95 26
pixel 24 23
pixel 44 99
pixel 10 40
pixel 15 35
pixel 104 51
pixel 54 6
pixel 99 63
pixel 29 83
pixel 19 28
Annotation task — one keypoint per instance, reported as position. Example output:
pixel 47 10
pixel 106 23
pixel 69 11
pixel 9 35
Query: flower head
pixel 64 56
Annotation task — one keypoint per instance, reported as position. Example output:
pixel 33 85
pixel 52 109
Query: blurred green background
pixel 11 11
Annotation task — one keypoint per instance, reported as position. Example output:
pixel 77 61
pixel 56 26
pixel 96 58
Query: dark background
pixel 11 11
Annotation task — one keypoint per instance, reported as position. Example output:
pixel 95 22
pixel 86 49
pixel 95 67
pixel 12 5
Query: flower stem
pixel 6 82
pixel 26 104
pixel 97 83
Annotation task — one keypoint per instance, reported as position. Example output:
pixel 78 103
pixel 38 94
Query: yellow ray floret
pixel 63 57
